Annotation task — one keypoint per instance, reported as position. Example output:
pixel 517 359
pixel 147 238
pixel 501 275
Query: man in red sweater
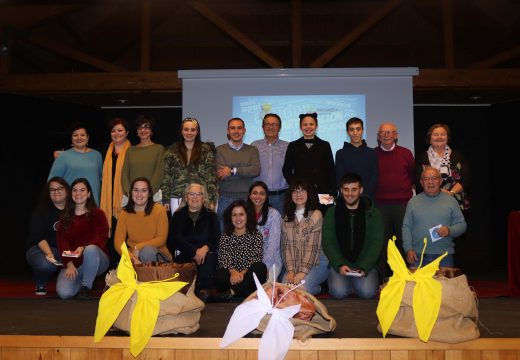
pixel 394 188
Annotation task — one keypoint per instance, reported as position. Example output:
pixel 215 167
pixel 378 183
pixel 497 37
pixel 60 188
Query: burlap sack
pixel 457 318
pixel 179 314
pixel 320 323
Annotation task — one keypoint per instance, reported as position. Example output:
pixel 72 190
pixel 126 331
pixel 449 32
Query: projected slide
pixel 333 112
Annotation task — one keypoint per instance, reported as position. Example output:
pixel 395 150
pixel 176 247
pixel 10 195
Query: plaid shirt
pixel 301 243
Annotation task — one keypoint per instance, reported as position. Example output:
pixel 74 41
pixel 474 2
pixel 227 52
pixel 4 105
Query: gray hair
pixel 204 194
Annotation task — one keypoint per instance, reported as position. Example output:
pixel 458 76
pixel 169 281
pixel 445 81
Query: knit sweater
pixel 140 230
pixel 424 212
pixel 396 176
pixel 87 229
pixel 145 162
pixel 72 165
pixel 246 161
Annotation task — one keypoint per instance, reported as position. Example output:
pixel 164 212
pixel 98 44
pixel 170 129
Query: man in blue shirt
pixel 272 155
pixel 435 216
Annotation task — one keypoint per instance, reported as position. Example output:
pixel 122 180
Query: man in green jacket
pixel 353 235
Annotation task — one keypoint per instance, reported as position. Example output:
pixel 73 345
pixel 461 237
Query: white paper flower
pixel 279 332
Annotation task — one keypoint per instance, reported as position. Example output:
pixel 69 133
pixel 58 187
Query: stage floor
pixel 355 318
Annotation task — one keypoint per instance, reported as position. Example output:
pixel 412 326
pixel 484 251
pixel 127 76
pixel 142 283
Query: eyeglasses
pixel 143 127
pixel 387 133
pixel 195 194
pixel 299 192
pixel 431 178
pixel 57 190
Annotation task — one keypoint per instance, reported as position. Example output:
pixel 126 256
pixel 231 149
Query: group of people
pixel 284 211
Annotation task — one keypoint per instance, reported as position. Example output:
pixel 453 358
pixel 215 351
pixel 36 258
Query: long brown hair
pixel 69 212
pixel 197 146
pixel 130 206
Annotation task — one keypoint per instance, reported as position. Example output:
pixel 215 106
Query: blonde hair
pixel 184 201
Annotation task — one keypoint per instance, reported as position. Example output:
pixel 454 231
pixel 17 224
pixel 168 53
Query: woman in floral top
pixel 240 252
pixel 451 164
pixel 270 226
pixel 302 254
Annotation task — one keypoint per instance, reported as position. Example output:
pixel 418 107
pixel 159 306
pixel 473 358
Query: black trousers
pixel 205 271
pixel 247 286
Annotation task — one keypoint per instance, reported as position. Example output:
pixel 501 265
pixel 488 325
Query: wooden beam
pixel 468 78
pixel 358 31
pixel 497 59
pixel 146 35
pixel 29 16
pixel 91 82
pixel 447 26
pixel 73 53
pixel 168 81
pixel 296 34
pixel 235 34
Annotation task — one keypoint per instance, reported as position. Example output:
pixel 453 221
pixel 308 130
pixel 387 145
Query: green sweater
pixel 145 161
pixel 374 239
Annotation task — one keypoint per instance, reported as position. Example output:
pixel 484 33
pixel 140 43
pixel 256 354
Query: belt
pixel 278 192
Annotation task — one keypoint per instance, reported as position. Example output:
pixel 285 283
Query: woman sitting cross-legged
pixel 240 252
pixel 83 231
pixel 143 225
pixel 194 235
pixel 302 254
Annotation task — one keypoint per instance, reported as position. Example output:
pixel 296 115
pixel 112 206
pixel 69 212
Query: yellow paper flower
pixel 426 295
pixel 146 309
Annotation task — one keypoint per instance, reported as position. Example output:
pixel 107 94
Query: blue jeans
pixel 277 201
pixel 342 286
pixel 428 258
pixel 316 276
pixel 95 262
pixel 151 253
pixel 41 267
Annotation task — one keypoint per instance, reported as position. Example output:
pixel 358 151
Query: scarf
pixel 349 222
pixel 111 198
pixel 439 162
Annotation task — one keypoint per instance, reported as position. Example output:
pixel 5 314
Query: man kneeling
pixel 352 240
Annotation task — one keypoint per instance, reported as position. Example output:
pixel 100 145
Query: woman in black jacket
pixel 194 235
pixel 310 159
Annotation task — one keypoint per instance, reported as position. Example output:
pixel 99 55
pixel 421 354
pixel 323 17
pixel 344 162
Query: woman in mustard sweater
pixel 143 225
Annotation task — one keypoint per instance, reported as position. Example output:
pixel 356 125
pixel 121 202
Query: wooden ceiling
pixel 102 53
